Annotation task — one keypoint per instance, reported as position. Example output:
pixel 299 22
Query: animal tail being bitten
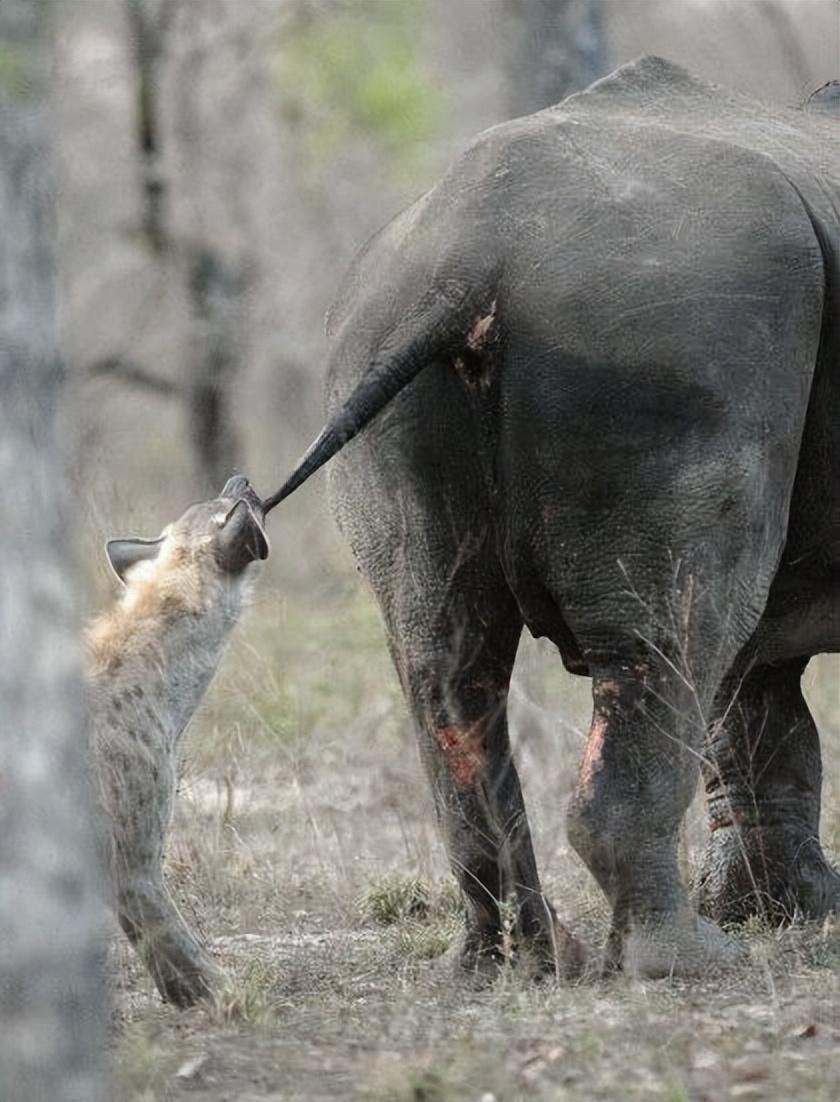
pixel 378 387
pixel 442 328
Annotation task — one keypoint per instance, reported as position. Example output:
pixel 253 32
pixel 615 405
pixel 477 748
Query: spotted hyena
pixel 151 659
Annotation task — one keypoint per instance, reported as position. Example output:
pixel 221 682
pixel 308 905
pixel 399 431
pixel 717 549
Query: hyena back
pixel 152 658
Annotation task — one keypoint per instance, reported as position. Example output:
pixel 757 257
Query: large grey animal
pixel 616 327
pixel 152 658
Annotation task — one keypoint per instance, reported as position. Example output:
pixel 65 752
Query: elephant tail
pixel 445 327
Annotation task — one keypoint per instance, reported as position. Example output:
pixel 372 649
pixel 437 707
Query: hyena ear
pixel 242 538
pixel 123 554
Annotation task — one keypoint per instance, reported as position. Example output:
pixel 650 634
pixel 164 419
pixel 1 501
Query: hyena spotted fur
pixel 151 659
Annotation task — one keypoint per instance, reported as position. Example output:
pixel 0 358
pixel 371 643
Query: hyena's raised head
pixel 183 590
pixel 212 543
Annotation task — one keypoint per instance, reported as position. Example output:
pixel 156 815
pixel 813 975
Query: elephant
pixel 597 367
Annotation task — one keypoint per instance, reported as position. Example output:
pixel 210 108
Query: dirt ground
pixel 305 853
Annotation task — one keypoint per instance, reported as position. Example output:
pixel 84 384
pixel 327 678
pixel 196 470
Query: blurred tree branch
pixel 128 371
pixel 149 26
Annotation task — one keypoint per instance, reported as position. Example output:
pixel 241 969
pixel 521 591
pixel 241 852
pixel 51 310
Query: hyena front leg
pixel 181 968
pixel 139 786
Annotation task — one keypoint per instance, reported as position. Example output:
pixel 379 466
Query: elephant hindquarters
pixel 411 498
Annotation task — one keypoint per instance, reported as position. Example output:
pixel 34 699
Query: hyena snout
pixel 239 486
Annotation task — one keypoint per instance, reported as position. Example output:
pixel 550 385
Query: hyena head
pixel 209 547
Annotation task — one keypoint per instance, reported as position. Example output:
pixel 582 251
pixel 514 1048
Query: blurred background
pixel 219 163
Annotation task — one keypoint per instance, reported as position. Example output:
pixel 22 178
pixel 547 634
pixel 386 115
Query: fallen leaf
pixel 190 1070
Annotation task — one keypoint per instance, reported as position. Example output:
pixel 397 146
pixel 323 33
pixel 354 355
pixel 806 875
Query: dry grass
pixel 304 851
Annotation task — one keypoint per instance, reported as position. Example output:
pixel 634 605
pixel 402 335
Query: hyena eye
pixel 219 519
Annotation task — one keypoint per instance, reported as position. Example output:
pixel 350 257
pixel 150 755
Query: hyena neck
pixel 189 652
pixel 156 658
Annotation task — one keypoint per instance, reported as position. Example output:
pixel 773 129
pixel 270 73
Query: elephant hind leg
pixel 638 775
pixel 763 777
pixel 455 669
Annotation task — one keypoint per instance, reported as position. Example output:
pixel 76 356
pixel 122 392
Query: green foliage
pixel 249 997
pixel 351 72
pixel 422 941
pixel 393 898
pixel 308 669
pixel 25 51
pixel 678 1092
pixel 326 686
pixel 15 76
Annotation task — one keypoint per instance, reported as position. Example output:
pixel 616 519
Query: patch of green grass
pixel 15 72
pixel 395 898
pixel 677 1093
pixel 756 929
pixel 425 916
pixel 250 996
pixel 296 685
pixel 340 663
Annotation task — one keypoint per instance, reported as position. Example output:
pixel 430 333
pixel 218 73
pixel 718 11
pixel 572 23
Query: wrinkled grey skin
pixel 153 658
pixel 620 316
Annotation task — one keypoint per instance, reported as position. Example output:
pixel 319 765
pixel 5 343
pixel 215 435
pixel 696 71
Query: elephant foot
pixel 483 954
pixel 556 953
pixel 473 958
pixel 682 945
pixel 777 874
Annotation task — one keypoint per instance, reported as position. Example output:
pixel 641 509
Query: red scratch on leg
pixel 592 756
pixel 463 747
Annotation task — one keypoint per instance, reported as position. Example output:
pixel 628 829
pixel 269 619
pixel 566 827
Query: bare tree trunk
pixel 556 47
pixel 215 290
pixel 215 278
pixel 51 996
pixel 149 24
pixel 213 287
